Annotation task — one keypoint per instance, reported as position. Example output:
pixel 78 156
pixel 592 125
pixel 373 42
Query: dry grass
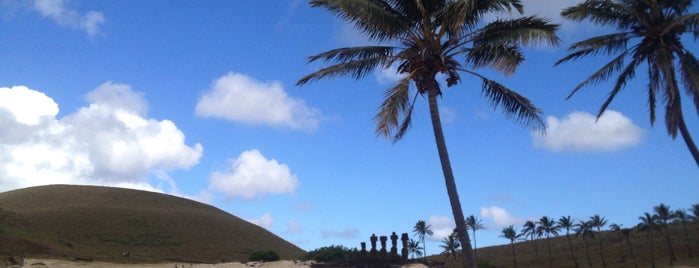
pixel 101 223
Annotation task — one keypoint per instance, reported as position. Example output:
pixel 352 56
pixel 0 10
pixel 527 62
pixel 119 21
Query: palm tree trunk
pixel 572 253
pixel 601 250
pixel 550 259
pixel 688 138
pixel 671 251
pixel 469 258
pixel 652 256
pixel 587 252
pixel 514 257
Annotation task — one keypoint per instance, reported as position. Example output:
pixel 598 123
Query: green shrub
pixel 330 254
pixel 268 255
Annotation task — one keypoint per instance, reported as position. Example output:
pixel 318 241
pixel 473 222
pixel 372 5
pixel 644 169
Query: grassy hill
pixel 617 255
pixel 101 223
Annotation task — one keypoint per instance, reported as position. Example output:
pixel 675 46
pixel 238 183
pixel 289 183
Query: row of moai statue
pixel 394 245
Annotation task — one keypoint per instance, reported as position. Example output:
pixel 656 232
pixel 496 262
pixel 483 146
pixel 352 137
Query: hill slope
pixel 101 223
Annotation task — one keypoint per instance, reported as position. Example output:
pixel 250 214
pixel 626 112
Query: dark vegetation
pixel 265 255
pixel 129 226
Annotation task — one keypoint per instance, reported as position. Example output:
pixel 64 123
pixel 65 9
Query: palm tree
pixel 530 230
pixel 422 229
pixel 683 218
pixel 626 233
pixel 426 38
pixel 695 211
pixel 474 224
pixel 451 245
pixel 665 216
pixel 648 224
pixel 616 228
pixel 414 248
pixel 566 223
pixel 649 31
pixel 548 227
pixel 599 222
pixel 584 229
pixel 512 235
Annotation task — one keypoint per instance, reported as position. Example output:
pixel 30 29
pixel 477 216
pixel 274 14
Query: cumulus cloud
pixel 62 14
pixel 252 176
pixel 500 217
pixel 264 221
pixel 107 142
pixel 441 226
pixel 346 233
pixel 581 131
pixel 240 98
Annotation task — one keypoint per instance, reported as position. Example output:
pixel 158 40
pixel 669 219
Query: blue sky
pixel 198 99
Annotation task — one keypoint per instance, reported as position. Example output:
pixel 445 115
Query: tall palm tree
pixel 626 233
pixel 599 222
pixel 683 218
pixel 414 248
pixel 584 230
pixel 548 227
pixel 665 216
pixel 474 224
pixel 451 245
pixel 422 229
pixel 512 235
pixel 567 223
pixel 650 32
pixel 426 38
pixel 530 230
pixel 616 228
pixel 648 224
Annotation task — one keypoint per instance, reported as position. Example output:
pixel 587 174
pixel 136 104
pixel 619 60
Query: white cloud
pixel 265 221
pixel 578 131
pixel 62 14
pixel 98 144
pixel 346 233
pixel 388 76
pixel 500 217
pixel 293 228
pixel 252 176
pixel 441 226
pixel 240 98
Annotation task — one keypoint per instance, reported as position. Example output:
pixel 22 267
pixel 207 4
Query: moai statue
pixel 404 252
pixel 394 244
pixel 363 248
pixel 383 239
pixel 373 239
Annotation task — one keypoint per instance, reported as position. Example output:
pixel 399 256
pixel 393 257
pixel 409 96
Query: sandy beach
pixel 39 263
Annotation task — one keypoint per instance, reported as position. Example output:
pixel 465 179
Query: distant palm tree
pixel 584 230
pixel 428 39
pixel 599 222
pixel 425 39
pixel 474 223
pixel 695 211
pixel 665 216
pixel 683 218
pixel 451 245
pixel 548 227
pixel 626 233
pixel 649 32
pixel 616 228
pixel 512 235
pixel 566 223
pixel 422 229
pixel 648 224
pixel 414 248
pixel 530 230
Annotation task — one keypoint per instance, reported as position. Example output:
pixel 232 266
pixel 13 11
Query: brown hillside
pixel 101 223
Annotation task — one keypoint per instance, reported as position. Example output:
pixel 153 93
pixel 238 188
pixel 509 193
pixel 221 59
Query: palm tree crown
pixel 650 32
pixel 424 38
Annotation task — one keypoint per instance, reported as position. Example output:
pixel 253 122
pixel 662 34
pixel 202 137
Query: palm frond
pixel 605 44
pixel 526 31
pixel 601 12
pixel 500 57
pixel 602 74
pixel 355 68
pixel 512 103
pixel 689 70
pixel 396 104
pixel 627 74
pixel 377 19
pixel 352 53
